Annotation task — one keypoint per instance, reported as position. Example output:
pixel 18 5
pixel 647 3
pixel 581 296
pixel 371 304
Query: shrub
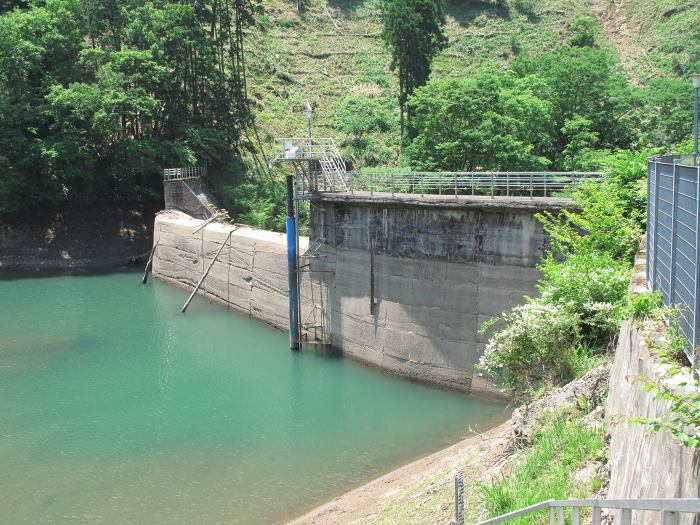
pixel 642 305
pixel 592 286
pixel 599 225
pixel 534 348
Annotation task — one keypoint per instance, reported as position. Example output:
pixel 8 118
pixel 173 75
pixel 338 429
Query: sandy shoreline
pixel 363 504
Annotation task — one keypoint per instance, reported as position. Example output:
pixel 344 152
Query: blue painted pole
pixel 293 282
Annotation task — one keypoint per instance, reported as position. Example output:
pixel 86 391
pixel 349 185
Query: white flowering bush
pixel 534 348
pixel 582 295
pixel 593 286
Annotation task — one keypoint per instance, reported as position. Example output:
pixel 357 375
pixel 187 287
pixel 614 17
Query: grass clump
pixel 546 470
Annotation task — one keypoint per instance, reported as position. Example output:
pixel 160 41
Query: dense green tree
pixel 493 120
pixel 96 96
pixel 9 5
pixel 666 112
pixel 583 84
pixel 413 32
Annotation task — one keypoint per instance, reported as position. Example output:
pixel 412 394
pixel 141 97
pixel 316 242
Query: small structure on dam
pixel 399 270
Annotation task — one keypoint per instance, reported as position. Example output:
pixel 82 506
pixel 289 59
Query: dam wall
pixel 250 274
pixel 413 278
pixel 400 283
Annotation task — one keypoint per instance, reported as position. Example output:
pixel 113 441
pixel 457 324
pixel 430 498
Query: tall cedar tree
pixel 413 32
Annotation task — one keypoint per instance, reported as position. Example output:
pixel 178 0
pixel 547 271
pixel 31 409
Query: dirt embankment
pixel 97 237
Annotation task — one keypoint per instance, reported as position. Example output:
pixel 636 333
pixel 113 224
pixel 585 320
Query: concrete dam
pixel 401 282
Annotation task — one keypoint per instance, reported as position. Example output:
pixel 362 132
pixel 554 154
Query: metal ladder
pixel 333 166
pixel 315 325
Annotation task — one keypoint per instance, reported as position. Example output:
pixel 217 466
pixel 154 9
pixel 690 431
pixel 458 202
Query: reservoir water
pixel 114 408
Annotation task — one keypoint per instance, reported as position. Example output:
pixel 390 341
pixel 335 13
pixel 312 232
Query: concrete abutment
pixel 398 283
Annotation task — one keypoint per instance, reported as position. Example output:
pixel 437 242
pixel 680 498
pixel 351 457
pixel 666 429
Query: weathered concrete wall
pixel 401 284
pixel 644 464
pixel 250 275
pixel 435 269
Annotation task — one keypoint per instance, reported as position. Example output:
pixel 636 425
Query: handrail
pixel 512 183
pixel 190 172
pixel 668 508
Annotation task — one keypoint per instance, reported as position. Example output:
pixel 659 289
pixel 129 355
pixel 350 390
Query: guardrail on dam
pixel 399 282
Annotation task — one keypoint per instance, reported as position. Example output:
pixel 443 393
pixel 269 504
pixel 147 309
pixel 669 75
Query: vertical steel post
pixel 696 297
pixel 674 229
pixel 459 501
pixel 545 183
pixel 655 269
pixel 649 212
pixel 292 281
pixel 695 119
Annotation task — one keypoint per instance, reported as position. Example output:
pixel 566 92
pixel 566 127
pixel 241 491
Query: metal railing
pixel 192 172
pixel 668 509
pixel 673 237
pixel 303 148
pixel 526 183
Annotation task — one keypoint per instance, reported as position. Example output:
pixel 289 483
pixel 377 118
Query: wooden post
pixel 189 299
pixel 149 263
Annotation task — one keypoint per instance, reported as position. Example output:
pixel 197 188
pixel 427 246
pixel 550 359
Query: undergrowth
pixel 547 469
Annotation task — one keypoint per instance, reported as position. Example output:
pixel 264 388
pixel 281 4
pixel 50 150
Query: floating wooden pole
pixel 189 299
pixel 149 263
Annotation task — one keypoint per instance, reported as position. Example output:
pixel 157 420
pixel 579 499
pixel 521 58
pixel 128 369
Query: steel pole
pixel 293 283
pixel 695 125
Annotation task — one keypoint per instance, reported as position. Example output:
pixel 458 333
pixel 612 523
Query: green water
pixel 116 409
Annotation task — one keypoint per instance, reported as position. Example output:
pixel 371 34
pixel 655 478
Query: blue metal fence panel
pixel 673 237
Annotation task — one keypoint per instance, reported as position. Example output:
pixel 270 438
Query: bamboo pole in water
pixel 149 263
pixel 204 276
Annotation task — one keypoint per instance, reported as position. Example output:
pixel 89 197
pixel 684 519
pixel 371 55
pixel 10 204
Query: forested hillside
pixel 96 96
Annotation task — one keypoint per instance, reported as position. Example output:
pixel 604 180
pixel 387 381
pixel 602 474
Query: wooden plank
pixel 204 276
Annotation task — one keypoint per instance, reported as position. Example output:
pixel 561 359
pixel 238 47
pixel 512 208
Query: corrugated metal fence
pixel 673 236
